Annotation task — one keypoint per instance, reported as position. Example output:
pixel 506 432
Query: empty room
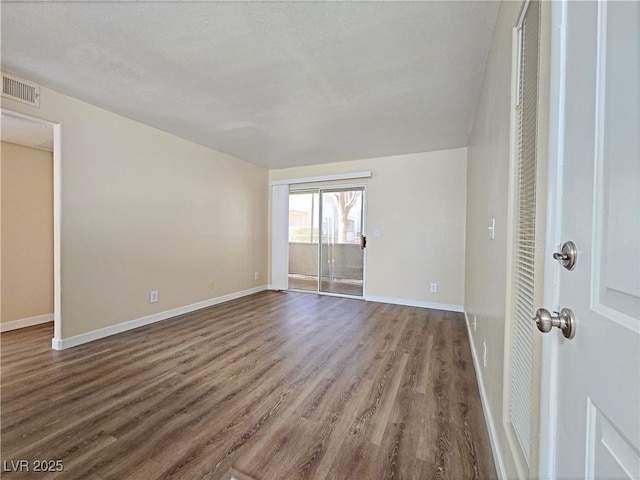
pixel 319 240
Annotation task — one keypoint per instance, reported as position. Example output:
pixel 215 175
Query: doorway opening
pixel 21 126
pixel 327 241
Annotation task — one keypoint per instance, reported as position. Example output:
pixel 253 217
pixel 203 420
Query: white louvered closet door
pixel 526 274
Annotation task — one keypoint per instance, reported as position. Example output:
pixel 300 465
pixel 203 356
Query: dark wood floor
pixel 272 386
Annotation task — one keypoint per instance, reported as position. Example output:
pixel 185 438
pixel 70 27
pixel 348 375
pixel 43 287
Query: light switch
pixel 492 229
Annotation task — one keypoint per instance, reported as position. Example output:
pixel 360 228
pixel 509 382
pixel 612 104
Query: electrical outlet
pixel 212 284
pixel 153 296
pixel 434 288
pixel 256 276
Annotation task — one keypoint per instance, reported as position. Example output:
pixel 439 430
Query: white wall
pixel 145 210
pixel 487 197
pixel 417 202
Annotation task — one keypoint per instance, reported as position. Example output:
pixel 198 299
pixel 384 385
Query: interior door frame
pixel 57 213
pixel 331 187
pixel 550 343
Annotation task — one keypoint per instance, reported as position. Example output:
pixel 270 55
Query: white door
pixel 598 377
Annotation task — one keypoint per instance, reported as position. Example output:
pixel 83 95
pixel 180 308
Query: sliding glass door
pixel 304 212
pixel 326 240
pixel 342 242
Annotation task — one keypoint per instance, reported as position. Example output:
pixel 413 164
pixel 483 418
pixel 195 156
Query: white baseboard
pixel 64 343
pixel 415 303
pixel 493 436
pixel 26 322
pixel 403 301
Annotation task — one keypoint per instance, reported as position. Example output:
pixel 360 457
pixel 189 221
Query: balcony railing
pixel 340 260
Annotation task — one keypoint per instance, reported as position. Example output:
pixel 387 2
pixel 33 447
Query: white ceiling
pixel 274 83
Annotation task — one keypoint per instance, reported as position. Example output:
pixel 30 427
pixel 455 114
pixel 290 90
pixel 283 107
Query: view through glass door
pixel 304 237
pixel 326 243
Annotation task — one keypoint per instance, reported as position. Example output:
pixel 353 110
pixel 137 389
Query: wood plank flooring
pixel 272 386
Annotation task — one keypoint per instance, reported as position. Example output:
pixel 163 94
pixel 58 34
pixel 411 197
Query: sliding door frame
pixel 279 260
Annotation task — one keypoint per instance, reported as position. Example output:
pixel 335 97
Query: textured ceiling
pixel 274 83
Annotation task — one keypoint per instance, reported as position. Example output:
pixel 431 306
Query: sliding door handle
pixel 363 242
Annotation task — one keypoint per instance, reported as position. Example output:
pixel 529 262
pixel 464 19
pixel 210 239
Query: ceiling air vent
pixel 21 90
